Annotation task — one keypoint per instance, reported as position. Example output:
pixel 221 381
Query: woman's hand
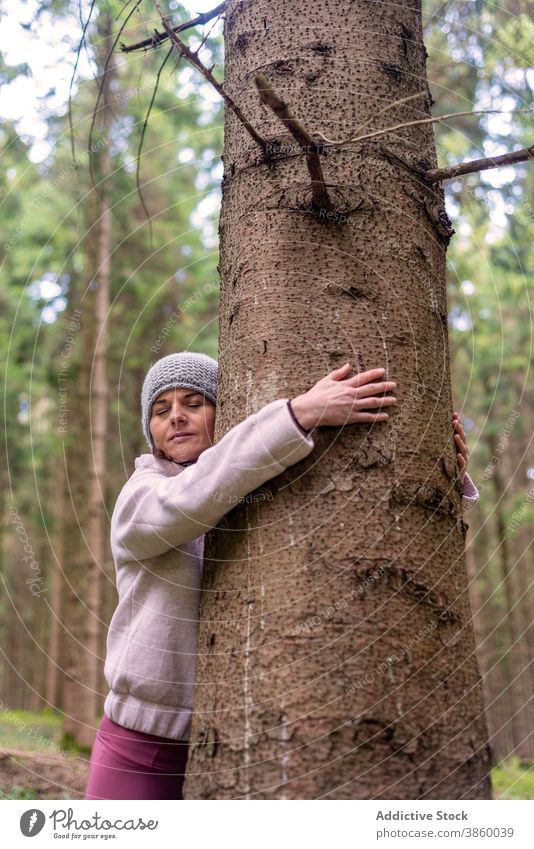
pixel 461 445
pixel 340 400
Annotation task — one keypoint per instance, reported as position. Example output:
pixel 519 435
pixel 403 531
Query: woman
pixel 176 493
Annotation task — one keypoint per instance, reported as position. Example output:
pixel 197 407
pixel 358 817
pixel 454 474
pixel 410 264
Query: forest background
pixel 163 297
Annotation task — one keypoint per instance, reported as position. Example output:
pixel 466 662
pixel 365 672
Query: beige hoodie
pixel 157 541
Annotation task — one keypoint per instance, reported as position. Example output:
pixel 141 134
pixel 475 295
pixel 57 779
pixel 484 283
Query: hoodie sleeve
pixel 154 513
pixel 470 494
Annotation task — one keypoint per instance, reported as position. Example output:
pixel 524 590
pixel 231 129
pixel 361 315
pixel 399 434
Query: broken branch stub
pixel 311 149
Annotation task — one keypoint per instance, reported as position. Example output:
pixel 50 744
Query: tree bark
pixel 336 655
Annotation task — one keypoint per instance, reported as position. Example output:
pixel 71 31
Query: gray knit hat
pixel 184 370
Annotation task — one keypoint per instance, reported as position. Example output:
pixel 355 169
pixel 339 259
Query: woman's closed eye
pixel 162 412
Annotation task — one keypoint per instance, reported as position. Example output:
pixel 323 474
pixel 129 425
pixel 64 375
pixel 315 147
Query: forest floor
pixel 34 763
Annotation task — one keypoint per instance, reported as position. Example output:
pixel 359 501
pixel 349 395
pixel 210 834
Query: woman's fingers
pixel 457 425
pixel 356 379
pixel 338 373
pixel 460 443
pixel 368 417
pixel 365 377
pixel 371 403
pixel 376 388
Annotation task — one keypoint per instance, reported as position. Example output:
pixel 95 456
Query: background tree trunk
pixel 336 653
pixel 54 672
pixel 84 691
pixel 516 659
pixel 97 520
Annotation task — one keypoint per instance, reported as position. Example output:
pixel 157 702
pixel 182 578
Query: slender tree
pixel 89 445
pixel 97 520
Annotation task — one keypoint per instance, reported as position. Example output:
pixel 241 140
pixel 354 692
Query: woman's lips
pixel 178 437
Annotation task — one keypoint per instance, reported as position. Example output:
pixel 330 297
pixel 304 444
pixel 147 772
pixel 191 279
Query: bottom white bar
pixel 308 824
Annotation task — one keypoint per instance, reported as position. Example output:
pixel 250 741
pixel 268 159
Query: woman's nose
pixel 178 414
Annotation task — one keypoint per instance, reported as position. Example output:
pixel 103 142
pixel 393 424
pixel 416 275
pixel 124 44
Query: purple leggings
pixel 128 764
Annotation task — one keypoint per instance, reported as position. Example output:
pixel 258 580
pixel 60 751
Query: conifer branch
pixel 192 57
pixel 158 37
pixel 436 175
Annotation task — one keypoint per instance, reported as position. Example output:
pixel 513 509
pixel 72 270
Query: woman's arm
pixel 470 494
pixel 154 513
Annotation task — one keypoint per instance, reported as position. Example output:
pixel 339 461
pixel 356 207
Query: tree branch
pixel 320 199
pixel 192 57
pixel 435 175
pixel 140 148
pixel 372 135
pixel 156 39
pixel 390 106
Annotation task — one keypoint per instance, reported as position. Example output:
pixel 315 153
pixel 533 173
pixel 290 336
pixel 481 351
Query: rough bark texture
pixel 336 653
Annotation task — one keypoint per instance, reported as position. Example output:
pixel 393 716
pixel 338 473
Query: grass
pixel 21 793
pixel 513 779
pixel 29 731
pixel 38 731
pixel 17 792
pixel 32 735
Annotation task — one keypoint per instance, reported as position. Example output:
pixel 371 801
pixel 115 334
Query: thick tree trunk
pixel 336 654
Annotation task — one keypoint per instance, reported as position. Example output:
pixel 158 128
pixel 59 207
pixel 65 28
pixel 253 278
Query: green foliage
pixel 18 792
pixel 159 271
pixel 69 744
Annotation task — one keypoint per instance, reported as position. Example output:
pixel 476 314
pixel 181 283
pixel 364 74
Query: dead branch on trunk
pixel 192 57
pixel 435 175
pixel 320 199
pixel 156 39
